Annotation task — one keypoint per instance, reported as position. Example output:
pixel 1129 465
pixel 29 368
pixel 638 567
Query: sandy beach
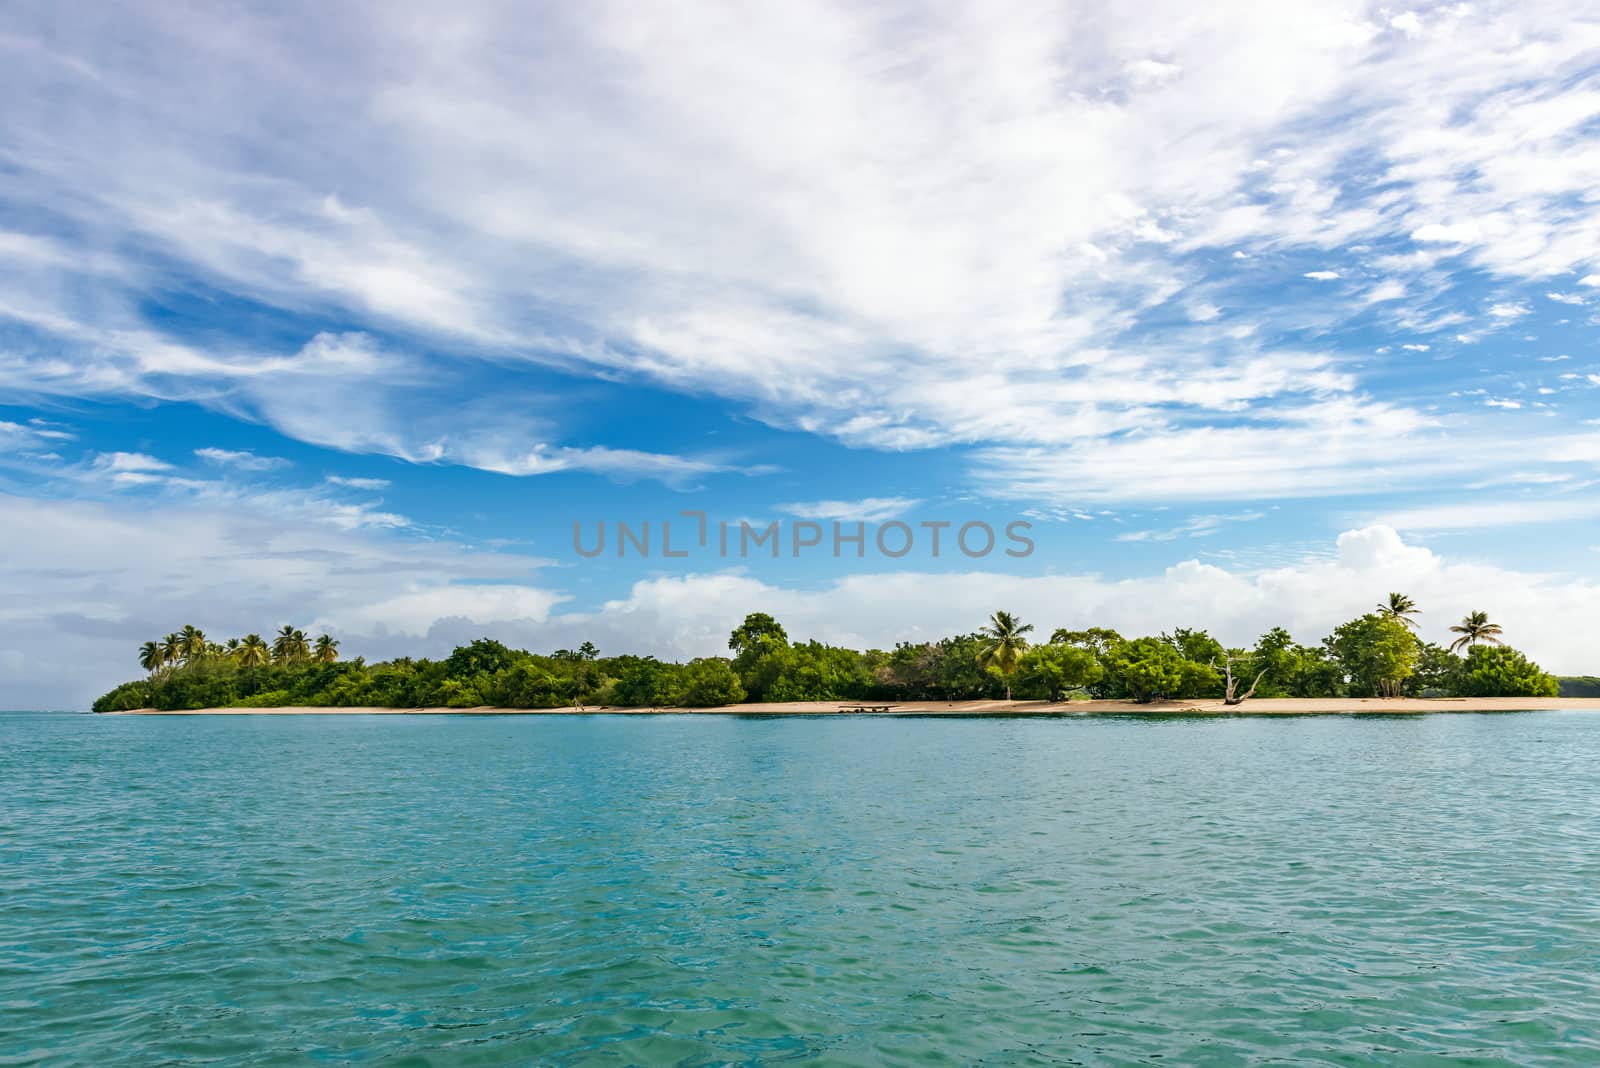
pixel 1276 706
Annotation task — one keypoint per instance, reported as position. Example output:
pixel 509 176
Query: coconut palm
pixel 152 657
pixel 1474 628
pixel 290 644
pixel 192 644
pixel 1400 607
pixel 254 651
pixel 1004 645
pixel 327 649
pixel 172 648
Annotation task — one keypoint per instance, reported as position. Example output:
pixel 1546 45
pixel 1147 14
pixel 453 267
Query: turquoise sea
pixel 687 890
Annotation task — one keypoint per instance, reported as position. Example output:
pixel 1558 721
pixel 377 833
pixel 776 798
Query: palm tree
pixel 192 643
pixel 290 644
pixel 254 651
pixel 152 657
pixel 1474 628
pixel 1004 646
pixel 1400 607
pixel 327 650
pixel 172 648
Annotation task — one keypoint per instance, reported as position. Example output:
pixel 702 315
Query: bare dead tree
pixel 1230 696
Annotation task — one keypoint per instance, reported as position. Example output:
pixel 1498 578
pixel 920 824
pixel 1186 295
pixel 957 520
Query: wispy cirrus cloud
pixel 1057 252
pixel 240 459
pixel 1494 514
pixel 358 483
pixel 1198 526
pixel 867 510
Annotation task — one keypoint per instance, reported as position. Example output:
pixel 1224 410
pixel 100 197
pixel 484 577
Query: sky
pixel 345 315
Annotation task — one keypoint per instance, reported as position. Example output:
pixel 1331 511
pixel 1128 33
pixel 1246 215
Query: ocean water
pixel 686 890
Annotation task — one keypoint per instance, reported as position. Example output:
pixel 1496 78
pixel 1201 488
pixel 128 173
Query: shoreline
pixel 1271 706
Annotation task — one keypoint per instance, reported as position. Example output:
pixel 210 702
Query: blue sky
pixel 345 318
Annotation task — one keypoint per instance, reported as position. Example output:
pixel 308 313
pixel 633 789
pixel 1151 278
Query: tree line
pixel 1377 654
pixel 190 646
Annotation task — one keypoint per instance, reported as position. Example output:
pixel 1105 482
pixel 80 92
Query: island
pixel 1378 662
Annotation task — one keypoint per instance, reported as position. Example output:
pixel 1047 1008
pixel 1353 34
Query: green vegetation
pixel 1579 686
pixel 1378 654
pixel 1473 629
pixel 1003 645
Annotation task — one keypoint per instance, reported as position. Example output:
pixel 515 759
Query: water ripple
pixel 849 891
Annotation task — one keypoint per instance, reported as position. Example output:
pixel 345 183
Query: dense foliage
pixel 1579 686
pixel 1377 654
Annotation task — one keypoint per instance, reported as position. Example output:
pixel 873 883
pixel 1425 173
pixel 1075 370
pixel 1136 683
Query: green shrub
pixel 265 699
pixel 1501 671
pixel 125 698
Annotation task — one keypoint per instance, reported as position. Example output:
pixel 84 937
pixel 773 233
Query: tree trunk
pixel 1228 696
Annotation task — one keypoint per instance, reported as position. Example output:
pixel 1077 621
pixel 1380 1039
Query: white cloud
pixel 129 469
pixel 129 461
pixel 1199 526
pixel 240 459
pixel 890 270
pixel 1407 23
pixel 358 483
pixel 1491 514
pixel 30 438
pixel 89 583
pixel 1566 298
pixel 1147 73
pixel 1322 276
pixel 1443 233
pixel 867 510
pixel 1317 449
pixel 138 477
pixel 886 236
pixel 1543 614
pixel 625 464
pixel 1384 291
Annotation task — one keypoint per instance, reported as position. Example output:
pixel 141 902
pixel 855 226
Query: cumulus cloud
pixel 90 582
pixel 1539 611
